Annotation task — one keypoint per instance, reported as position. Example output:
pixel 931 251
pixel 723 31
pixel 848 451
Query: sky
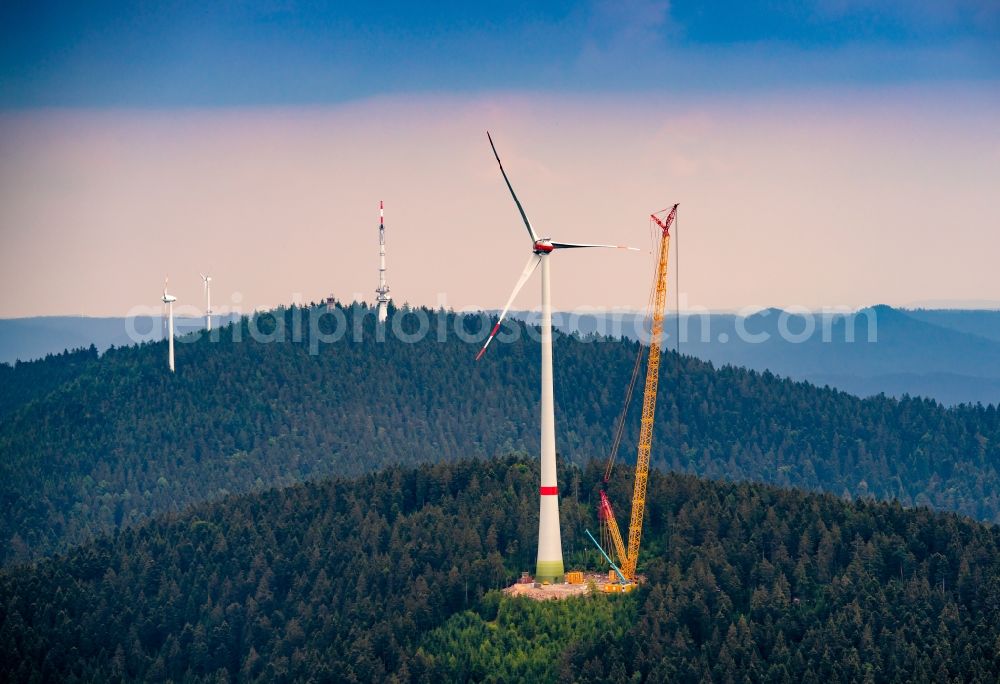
pixel 825 154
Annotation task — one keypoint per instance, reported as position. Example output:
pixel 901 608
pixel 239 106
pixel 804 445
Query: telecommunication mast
pixel 383 298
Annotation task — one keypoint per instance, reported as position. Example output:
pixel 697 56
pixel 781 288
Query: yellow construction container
pixel 574 577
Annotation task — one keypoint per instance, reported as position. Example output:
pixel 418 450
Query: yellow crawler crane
pixel 628 558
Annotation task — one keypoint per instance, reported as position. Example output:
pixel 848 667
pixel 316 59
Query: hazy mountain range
pixel 27 339
pixel 952 356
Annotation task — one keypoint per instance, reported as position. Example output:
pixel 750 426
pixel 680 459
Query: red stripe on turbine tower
pixel 548 491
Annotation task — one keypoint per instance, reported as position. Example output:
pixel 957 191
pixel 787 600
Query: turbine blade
pixel 528 270
pixel 576 245
pixel 524 217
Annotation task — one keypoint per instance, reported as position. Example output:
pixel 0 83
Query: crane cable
pixel 620 428
pixel 677 308
pixel 677 286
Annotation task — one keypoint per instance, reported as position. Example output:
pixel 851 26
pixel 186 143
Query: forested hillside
pixel 124 439
pixel 381 579
pixel 23 382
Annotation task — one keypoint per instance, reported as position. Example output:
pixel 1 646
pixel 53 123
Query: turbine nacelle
pixel 543 246
pixel 167 298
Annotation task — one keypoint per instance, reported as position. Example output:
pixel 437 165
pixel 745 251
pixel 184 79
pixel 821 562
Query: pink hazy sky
pixel 828 198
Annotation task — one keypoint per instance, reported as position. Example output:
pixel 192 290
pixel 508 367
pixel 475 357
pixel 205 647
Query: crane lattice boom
pixel 630 556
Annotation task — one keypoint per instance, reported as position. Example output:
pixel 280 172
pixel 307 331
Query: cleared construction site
pixel 576 584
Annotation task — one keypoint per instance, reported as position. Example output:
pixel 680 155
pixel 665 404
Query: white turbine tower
pixel 207 280
pixel 550 563
pixel 169 300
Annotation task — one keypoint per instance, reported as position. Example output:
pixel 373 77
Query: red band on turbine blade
pixel 548 491
pixel 495 328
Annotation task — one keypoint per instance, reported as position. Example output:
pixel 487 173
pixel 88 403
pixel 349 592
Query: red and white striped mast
pixel 382 291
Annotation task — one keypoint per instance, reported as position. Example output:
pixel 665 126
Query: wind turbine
pixel 207 280
pixel 549 564
pixel 169 300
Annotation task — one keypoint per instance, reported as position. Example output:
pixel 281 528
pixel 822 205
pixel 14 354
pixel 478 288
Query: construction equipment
pixel 615 586
pixel 629 557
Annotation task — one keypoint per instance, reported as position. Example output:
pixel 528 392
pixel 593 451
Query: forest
pixel 392 576
pixel 25 381
pixel 94 444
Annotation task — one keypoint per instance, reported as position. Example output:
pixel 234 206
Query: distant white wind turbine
pixel 207 280
pixel 169 300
